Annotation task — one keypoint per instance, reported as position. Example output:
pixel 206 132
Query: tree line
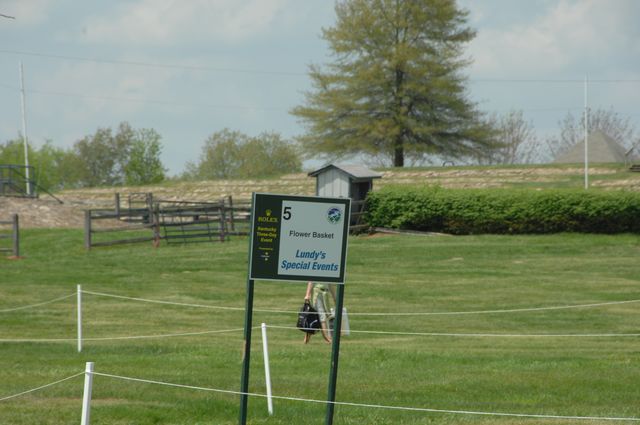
pixel 130 156
pixel 106 158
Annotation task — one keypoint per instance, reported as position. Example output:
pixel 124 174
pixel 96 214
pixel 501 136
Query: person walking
pixel 322 298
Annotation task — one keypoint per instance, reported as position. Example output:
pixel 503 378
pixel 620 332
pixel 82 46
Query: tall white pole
pixel 86 398
pixel 267 371
pixel 24 131
pixel 586 133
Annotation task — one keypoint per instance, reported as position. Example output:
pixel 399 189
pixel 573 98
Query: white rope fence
pixel 212 307
pixel 512 310
pixel 41 387
pixel 7 310
pixel 428 313
pixel 477 335
pixel 89 372
pixel 114 338
pixel 371 406
pixel 398 333
pixel 433 313
pixel 80 337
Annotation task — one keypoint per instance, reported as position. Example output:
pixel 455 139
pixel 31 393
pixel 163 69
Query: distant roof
pixel 355 171
pixel 601 148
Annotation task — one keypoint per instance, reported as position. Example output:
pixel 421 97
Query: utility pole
pixel 586 133
pixel 24 131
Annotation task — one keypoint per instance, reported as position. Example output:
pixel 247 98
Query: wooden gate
pixel 141 218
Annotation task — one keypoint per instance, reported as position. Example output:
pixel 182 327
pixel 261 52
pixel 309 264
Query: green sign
pixel 299 238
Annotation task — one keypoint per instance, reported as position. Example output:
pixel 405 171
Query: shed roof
pixel 357 172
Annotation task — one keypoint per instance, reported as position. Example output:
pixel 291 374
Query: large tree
pixel 143 164
pixel 230 154
pixel 131 156
pixel 219 158
pixel 395 86
pixel 103 156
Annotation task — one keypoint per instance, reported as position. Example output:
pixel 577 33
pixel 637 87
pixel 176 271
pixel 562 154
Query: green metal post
pixel 335 354
pixel 246 360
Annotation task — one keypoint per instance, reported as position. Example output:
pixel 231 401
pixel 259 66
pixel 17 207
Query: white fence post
pixel 79 318
pixel 346 329
pixel 86 398
pixel 267 372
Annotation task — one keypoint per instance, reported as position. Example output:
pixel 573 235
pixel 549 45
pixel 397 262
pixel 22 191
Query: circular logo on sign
pixel 334 214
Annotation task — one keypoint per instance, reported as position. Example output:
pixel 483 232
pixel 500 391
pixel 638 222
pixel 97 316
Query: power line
pixel 550 80
pixel 291 73
pixel 236 107
pixel 558 109
pixel 242 107
pixel 153 64
pixel 154 101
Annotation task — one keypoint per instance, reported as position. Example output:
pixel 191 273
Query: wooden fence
pixel 190 222
pixel 141 218
pixel 12 234
pixel 358 211
pixel 138 217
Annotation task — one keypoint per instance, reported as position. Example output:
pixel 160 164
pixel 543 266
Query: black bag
pixel 308 319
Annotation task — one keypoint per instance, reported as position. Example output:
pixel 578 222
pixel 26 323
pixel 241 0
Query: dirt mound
pixel 42 212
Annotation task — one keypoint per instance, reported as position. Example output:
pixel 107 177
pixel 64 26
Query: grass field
pixel 564 375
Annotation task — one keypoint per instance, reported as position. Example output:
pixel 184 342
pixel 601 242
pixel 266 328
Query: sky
pixel 190 68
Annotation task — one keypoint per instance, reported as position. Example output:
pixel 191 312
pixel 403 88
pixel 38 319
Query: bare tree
pixel 517 141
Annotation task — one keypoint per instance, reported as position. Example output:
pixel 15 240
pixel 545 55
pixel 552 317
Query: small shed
pixel 347 181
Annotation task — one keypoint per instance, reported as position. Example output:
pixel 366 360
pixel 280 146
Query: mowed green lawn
pixel 478 371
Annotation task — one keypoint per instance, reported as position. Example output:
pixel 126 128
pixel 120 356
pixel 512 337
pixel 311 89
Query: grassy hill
pixel 602 176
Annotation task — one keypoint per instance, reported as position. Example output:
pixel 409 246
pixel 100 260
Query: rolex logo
pixel 267 218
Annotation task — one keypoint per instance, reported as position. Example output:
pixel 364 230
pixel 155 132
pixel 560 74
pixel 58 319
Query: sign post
pixel 297 238
pixel 335 355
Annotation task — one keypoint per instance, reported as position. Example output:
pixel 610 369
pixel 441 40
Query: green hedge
pixel 504 211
